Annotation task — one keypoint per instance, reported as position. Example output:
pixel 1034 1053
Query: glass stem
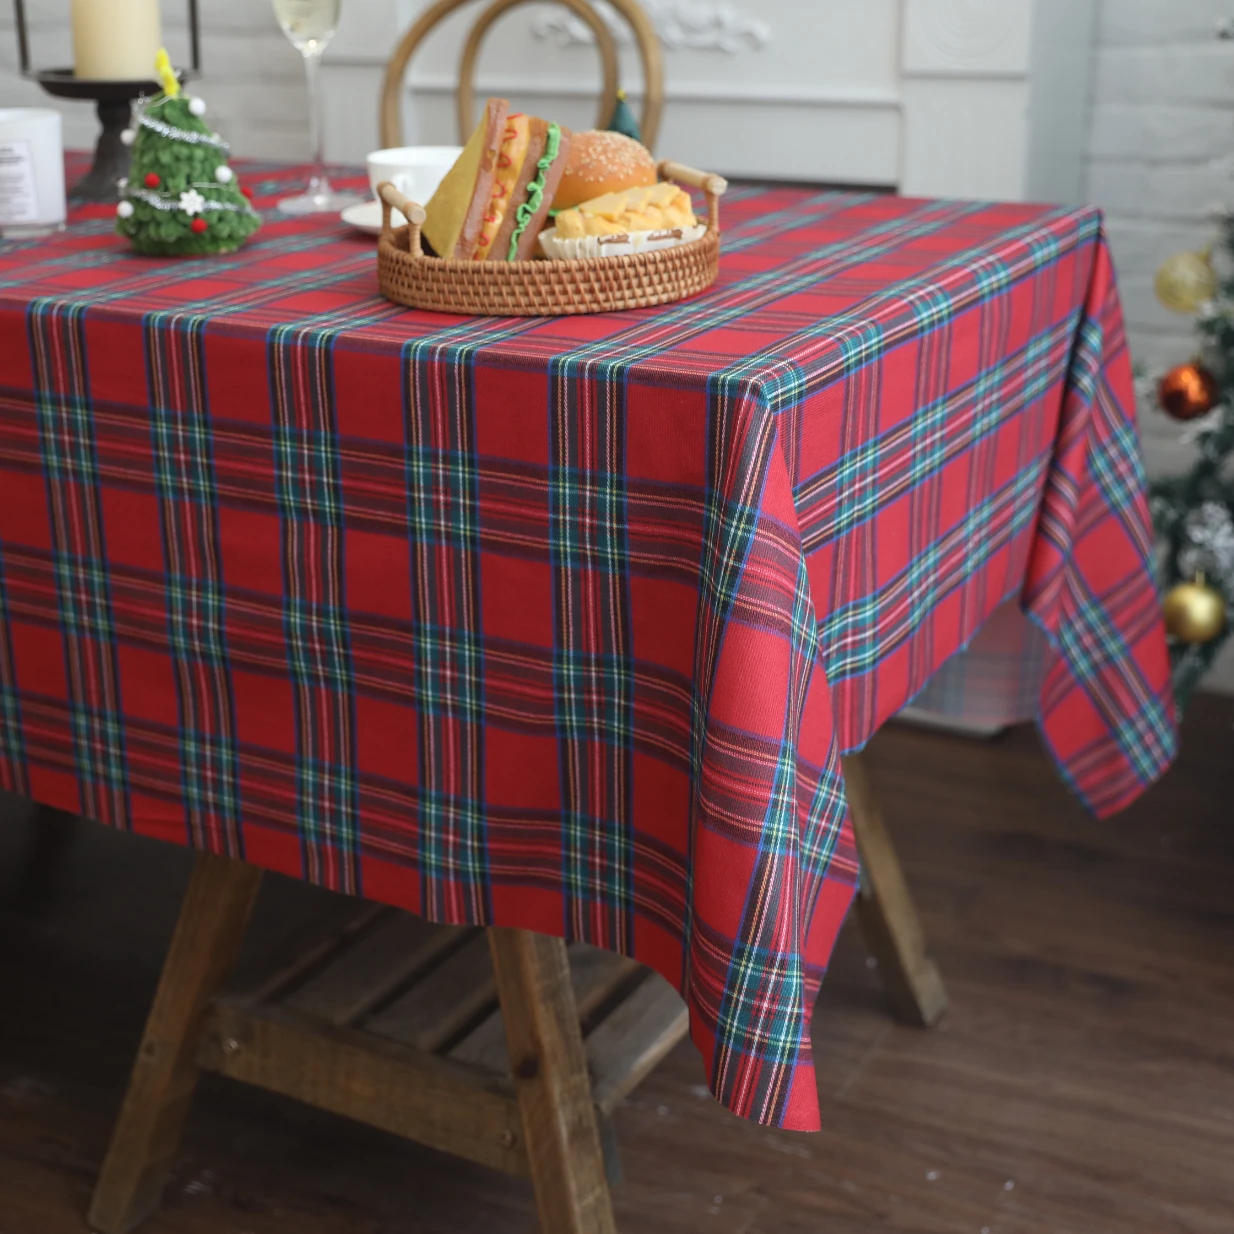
pixel 318 184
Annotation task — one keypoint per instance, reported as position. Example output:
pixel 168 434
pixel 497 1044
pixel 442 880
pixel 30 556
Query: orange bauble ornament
pixel 1188 391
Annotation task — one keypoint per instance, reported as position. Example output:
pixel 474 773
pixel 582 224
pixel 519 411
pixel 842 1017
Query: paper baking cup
pixel 621 245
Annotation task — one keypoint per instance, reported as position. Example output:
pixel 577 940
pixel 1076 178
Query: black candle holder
pixel 113 101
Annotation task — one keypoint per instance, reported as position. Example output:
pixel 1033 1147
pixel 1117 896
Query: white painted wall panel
pixel 978 38
pixel 821 90
pixel 960 144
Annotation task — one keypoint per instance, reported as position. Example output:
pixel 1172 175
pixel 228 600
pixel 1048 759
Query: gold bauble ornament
pixel 1188 391
pixel 1186 280
pixel 1194 612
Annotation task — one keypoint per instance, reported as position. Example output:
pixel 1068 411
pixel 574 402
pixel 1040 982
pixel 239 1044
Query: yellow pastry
pixel 657 207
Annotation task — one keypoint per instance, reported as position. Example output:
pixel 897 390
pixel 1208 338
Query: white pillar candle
pixel 31 171
pixel 116 40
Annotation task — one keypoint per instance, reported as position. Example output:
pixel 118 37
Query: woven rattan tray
pixel 540 287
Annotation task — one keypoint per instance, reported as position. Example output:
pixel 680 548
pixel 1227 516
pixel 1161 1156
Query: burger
pixel 600 162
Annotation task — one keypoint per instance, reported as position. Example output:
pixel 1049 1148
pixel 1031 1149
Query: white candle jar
pixel 31 171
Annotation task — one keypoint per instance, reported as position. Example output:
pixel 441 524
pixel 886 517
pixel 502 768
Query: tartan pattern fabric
pixel 995 681
pixel 563 624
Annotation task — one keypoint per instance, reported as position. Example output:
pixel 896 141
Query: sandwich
pixel 492 204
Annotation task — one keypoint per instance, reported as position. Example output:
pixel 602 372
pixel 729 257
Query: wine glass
pixel 310 25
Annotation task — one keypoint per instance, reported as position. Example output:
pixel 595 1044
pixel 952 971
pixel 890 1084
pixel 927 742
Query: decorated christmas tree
pixel 1194 513
pixel 181 198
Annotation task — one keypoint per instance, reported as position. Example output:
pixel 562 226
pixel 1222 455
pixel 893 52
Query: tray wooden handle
pixel 712 185
pixel 412 211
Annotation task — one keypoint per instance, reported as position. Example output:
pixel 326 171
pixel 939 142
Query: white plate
pixel 366 217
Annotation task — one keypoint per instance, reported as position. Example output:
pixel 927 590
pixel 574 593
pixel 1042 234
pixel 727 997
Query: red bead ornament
pixel 198 225
pixel 248 192
pixel 152 180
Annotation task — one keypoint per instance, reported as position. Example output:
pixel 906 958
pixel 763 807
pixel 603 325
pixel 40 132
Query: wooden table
pixel 292 574
pixel 503 1046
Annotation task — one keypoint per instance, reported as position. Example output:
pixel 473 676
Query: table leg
pixel 885 908
pixel 550 1076
pixel 212 922
pixel 51 837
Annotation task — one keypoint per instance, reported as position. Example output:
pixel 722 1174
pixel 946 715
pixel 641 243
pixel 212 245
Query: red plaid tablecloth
pixel 563 624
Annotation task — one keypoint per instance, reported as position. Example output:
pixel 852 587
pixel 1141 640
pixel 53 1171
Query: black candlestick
pixel 114 100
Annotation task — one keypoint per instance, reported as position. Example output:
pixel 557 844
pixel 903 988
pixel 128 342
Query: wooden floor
pixel 1083 1081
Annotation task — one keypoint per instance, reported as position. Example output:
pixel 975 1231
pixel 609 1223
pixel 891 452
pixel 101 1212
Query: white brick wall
pixel 1162 111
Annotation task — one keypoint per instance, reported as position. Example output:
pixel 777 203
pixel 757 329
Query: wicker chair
pixel 645 37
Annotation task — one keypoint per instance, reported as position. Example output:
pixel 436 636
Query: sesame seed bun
pixel 601 162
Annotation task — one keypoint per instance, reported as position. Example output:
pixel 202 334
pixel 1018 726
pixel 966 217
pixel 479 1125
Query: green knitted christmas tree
pixel 181 198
